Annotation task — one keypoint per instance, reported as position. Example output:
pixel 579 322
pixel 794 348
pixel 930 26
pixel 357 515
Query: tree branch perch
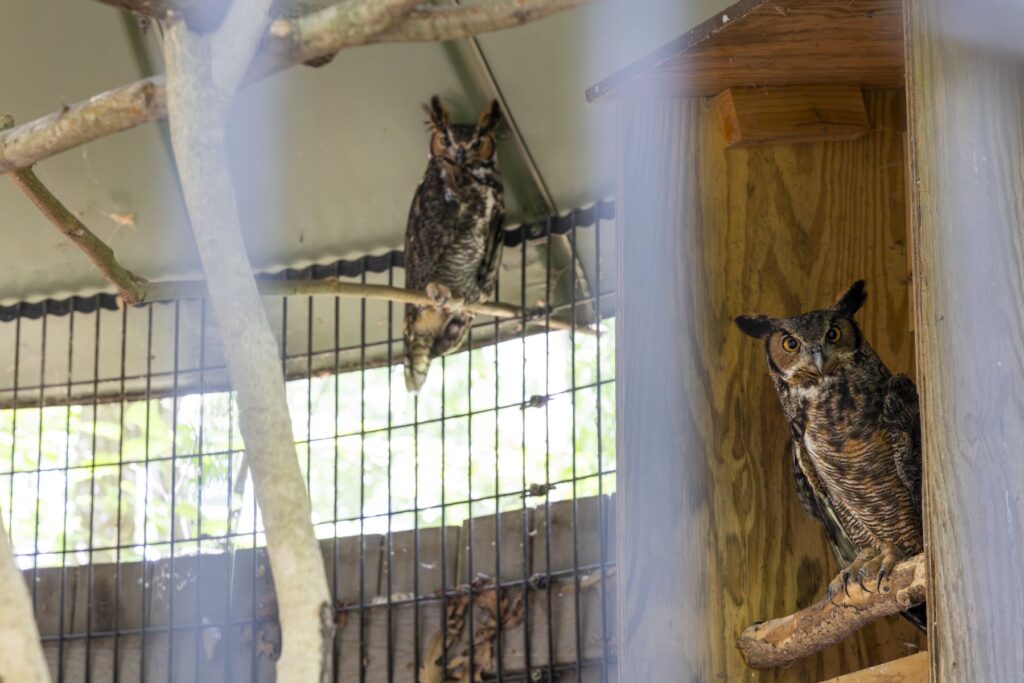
pixel 130 286
pixel 288 42
pixel 780 641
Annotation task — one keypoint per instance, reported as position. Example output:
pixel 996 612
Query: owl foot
pixel 443 298
pixel 842 580
pixel 438 293
pixel 879 566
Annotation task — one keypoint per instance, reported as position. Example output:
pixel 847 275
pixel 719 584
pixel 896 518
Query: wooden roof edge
pixel 703 31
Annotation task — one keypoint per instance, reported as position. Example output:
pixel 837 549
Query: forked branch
pixel 130 286
pixel 310 38
pixel 780 641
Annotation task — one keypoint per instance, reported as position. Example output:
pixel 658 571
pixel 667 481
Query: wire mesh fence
pixel 467 532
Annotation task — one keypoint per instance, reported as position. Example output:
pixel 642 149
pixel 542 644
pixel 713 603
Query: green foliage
pixel 140 475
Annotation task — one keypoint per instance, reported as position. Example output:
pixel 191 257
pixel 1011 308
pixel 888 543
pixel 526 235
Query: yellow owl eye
pixel 834 334
pixel 790 344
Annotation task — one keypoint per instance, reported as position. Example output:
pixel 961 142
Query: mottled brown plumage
pixel 453 238
pixel 856 436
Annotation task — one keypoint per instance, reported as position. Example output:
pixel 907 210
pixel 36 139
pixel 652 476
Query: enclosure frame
pixel 679 195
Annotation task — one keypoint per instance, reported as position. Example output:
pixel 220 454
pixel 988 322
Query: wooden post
pixel 662 478
pixel 965 85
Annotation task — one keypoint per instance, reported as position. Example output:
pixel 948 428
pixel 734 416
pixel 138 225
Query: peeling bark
pixel 780 641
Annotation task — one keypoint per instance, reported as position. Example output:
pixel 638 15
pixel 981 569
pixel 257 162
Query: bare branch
pixel 428 23
pixel 70 126
pixel 130 286
pixel 165 291
pixel 780 641
pixel 289 42
pixel 325 32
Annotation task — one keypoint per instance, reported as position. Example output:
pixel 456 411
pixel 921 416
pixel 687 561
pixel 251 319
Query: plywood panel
pixel 709 233
pixel 792 114
pixel 965 83
pixel 854 42
pixel 912 669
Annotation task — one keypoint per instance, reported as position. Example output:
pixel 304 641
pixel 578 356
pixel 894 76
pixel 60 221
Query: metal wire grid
pixel 442 416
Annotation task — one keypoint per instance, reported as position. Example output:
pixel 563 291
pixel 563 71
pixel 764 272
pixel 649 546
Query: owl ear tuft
pixel 851 300
pixel 490 119
pixel 756 326
pixel 438 114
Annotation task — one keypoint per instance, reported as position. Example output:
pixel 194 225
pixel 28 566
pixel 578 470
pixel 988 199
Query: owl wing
pixel 901 419
pixel 487 276
pixel 426 238
pixel 426 241
pixel 815 500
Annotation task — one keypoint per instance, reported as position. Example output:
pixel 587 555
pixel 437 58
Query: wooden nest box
pixel 767 159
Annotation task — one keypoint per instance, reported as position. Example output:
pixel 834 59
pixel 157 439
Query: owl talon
pixel 862 574
pixel 882 573
pixel 831 593
pixel 847 575
pixel 438 293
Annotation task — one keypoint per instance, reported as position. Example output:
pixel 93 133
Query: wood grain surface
pixel 912 669
pixel 778 42
pixel 224 612
pixel 792 114
pixel 711 535
pixel 965 84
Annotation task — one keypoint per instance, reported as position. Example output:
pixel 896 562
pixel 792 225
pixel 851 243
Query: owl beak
pixel 460 156
pixel 817 357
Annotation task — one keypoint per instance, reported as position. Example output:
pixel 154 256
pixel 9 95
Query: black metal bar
pixel 92 502
pixel 602 508
pixel 389 556
pixel 547 468
pixel 39 468
pixel 362 488
pixel 470 574
pixel 145 505
pixel 14 429
pixel 197 645
pixel 499 639
pixel 120 487
pixel 172 581
pixel 577 612
pixel 336 652
pixel 527 538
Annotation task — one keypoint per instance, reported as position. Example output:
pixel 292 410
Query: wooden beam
pixel 792 114
pixel 912 669
pixel 755 42
pixel 965 88
pixel 664 633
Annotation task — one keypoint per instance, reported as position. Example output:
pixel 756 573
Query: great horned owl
pixel 856 437
pixel 454 236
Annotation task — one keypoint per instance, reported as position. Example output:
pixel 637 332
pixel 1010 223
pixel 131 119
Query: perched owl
pixel 856 437
pixel 454 236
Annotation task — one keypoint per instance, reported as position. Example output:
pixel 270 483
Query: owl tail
pixel 417 361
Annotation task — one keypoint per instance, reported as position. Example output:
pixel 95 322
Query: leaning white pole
pixel 203 72
pixel 21 653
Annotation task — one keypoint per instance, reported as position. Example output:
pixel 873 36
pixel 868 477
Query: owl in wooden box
pixel 454 236
pixel 856 438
